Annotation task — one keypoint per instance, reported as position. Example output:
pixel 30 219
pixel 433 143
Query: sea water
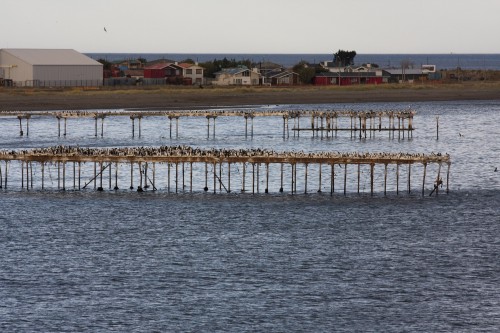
pixel 478 61
pixel 157 261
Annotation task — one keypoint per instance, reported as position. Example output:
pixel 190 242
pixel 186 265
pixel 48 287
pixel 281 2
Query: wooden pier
pixel 178 162
pixel 362 124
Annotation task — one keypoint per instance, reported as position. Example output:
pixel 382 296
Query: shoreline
pixel 175 97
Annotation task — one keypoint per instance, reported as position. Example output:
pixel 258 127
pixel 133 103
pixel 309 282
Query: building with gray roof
pixel 49 68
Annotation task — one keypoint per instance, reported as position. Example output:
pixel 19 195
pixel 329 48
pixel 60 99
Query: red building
pixel 156 71
pixel 350 78
pixel 173 73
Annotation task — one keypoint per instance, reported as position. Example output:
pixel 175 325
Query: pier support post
pixel 191 177
pixel 319 180
pixel 131 176
pixel 116 176
pixel 228 177
pixel 345 178
pixel 79 174
pixel 6 170
pixel 95 175
pixel 100 188
pixel 139 188
pixel 305 179
pixel 43 174
pixel 246 126
pixel 372 166
pixel 332 179
pixel 258 174
pixel 20 126
pixel 267 178
pixel 281 183
pixel 437 128
pixel 22 171
pixel 176 177
pixel 208 127
pixel 64 176
pixel 59 175
pixel 215 177
pixel 359 174
pixel 170 131
pixel 385 179
pixel 243 177
pixel 110 175
pixel 397 179
pixel 154 176
pixel 423 179
pixel 253 178
pixel 409 177
pixel 206 177
pixel 168 177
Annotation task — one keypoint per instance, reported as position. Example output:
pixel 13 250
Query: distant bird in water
pixel 105 29
pixel 496 169
pixel 460 134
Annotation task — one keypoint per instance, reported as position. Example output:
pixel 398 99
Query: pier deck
pixel 316 120
pixel 103 158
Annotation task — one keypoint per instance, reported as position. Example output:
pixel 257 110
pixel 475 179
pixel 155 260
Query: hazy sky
pixel 252 26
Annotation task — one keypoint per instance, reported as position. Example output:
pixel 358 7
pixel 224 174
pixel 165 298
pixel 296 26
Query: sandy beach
pixel 172 97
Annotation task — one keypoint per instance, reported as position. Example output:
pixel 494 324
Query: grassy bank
pixel 214 96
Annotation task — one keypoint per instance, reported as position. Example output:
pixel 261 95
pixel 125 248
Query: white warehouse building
pixel 49 68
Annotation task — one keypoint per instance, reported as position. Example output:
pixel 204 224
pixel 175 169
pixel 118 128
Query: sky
pixel 252 26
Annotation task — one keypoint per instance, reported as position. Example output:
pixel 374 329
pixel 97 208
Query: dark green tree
pixel 306 72
pixel 216 65
pixel 344 58
pixel 106 65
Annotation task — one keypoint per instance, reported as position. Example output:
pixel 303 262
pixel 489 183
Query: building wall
pixel 155 73
pixel 22 72
pixel 71 75
pixel 195 73
pixel 346 81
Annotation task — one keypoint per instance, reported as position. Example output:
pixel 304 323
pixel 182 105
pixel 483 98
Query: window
pixel 189 71
pixel 199 71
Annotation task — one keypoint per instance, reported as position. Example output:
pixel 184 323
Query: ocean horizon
pixel 478 61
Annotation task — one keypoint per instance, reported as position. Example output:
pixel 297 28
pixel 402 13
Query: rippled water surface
pixel 157 261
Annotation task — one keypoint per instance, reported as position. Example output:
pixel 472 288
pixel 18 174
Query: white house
pixel 236 76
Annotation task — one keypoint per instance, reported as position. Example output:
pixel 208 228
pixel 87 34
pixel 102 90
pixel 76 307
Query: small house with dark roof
pixel 280 77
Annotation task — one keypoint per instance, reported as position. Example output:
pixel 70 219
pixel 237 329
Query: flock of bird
pixel 187 151
pixel 247 113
